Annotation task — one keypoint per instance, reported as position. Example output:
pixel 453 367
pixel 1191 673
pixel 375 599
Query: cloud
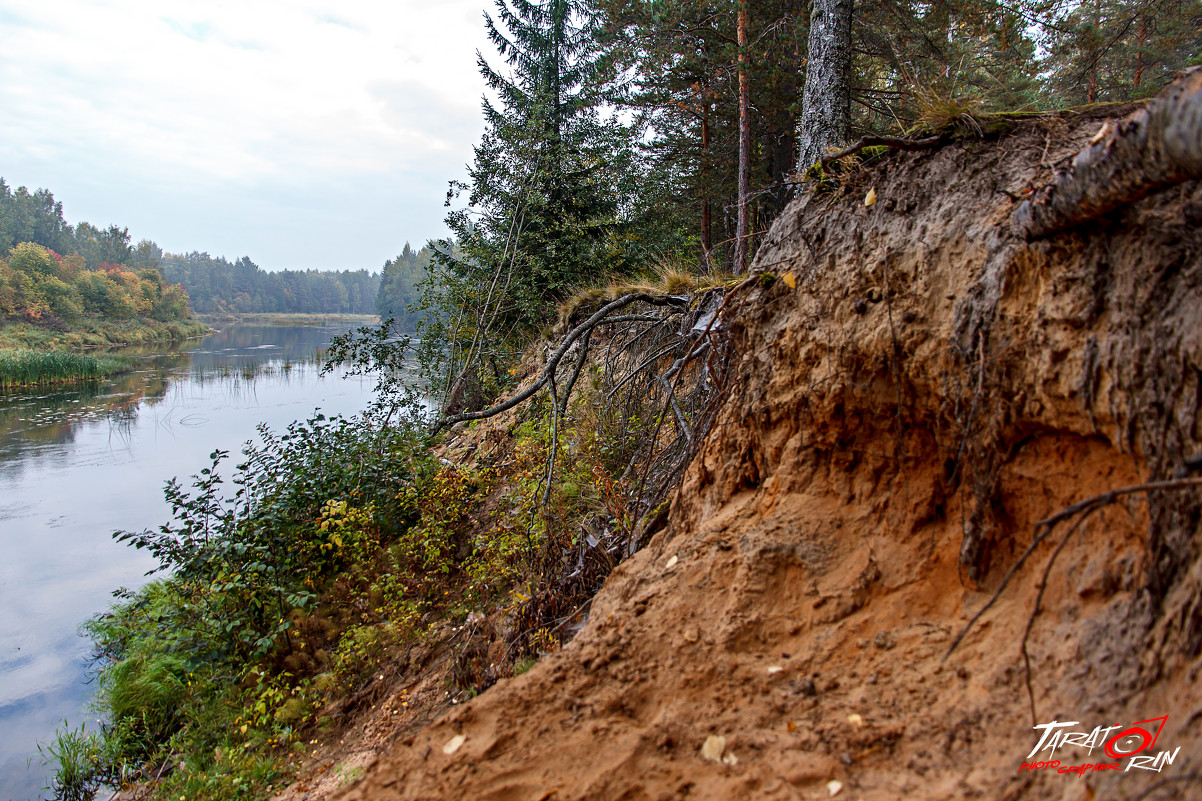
pixel 128 107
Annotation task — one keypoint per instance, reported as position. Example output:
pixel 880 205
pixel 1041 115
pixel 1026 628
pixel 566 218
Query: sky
pixel 301 133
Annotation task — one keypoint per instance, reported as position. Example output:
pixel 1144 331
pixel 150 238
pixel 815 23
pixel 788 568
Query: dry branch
pixel 583 329
pixel 1155 147
pixel 876 141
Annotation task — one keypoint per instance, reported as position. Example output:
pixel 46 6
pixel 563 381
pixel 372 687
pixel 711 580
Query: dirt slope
pixel 929 389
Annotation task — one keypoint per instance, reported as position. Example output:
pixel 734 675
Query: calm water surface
pixel 77 465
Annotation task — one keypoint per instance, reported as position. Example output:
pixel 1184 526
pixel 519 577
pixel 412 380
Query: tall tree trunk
pixel 707 224
pixel 1141 40
pixel 741 228
pixel 826 98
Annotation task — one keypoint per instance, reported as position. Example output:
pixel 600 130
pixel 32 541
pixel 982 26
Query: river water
pixel 77 465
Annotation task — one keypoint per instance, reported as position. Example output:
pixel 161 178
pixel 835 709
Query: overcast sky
pixel 300 133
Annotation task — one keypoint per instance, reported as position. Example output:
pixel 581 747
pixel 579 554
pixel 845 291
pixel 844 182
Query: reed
pixel 31 368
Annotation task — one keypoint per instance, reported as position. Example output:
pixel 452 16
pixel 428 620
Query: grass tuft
pixel 74 752
pixel 664 279
pixel 28 368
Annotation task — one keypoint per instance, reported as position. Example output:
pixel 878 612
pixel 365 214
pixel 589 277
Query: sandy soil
pixel 901 418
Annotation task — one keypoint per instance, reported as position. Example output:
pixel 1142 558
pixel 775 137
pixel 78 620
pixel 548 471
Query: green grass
pixel 20 369
pixel 74 753
pixel 90 333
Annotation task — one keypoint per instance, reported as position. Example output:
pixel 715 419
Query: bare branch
pixel 586 327
pixel 877 141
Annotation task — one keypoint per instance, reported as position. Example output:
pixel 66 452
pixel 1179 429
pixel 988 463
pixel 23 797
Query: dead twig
pixel 1043 585
pixel 586 327
pixel 878 141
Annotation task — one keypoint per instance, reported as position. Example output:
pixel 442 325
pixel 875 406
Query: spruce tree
pixel 545 185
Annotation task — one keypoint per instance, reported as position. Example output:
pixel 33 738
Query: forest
pixel 104 264
pixel 101 275
pixel 625 139
pixel 218 286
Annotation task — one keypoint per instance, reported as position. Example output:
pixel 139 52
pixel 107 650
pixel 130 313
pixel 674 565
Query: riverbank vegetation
pixel 21 369
pixel 207 284
pixel 53 306
pixel 39 286
pixel 91 332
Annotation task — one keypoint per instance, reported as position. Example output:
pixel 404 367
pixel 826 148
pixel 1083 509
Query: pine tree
pixel 826 100
pixel 1108 50
pixel 681 67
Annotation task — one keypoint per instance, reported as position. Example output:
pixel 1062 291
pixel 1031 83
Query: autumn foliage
pixel 39 285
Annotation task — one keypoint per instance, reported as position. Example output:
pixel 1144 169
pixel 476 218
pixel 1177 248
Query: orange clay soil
pixel 911 396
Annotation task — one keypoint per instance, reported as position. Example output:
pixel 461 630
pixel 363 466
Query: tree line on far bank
pixel 52 269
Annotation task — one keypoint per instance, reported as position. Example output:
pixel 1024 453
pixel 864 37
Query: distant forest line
pixel 212 284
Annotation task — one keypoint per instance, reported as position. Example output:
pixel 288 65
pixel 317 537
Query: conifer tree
pixel 1107 50
pixel 680 66
pixel 545 185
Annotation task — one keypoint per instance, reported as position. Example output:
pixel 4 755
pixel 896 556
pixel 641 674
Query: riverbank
pixel 96 333
pixel 291 319
pixel 37 356
pixel 22 369
pixel 83 460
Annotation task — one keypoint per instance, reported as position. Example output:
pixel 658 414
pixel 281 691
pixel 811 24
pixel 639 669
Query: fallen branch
pixel 1155 147
pixel 878 141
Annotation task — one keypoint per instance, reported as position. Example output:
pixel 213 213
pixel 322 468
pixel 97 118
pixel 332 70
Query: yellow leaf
pixel 713 747
pixel 789 279
pixel 870 198
pixel 243 729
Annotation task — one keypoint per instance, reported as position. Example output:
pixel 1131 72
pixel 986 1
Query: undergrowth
pixel 288 581
pixel 94 332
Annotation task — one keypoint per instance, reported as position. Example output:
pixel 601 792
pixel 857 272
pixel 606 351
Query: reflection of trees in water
pixel 232 362
pixel 55 418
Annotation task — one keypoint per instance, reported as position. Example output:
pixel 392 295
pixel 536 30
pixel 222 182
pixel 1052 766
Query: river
pixel 77 465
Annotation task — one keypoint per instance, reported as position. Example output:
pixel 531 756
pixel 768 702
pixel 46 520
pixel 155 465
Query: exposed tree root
pixel 548 373
pixel 1044 529
pixel 894 142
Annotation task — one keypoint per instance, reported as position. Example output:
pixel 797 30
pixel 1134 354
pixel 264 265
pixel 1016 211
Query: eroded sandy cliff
pixel 912 395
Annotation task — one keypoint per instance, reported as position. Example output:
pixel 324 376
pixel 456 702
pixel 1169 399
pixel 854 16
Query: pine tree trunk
pixel 826 98
pixel 1141 39
pixel 741 228
pixel 1157 146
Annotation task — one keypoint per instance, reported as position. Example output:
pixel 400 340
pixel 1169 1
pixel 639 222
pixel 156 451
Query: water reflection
pixel 77 464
